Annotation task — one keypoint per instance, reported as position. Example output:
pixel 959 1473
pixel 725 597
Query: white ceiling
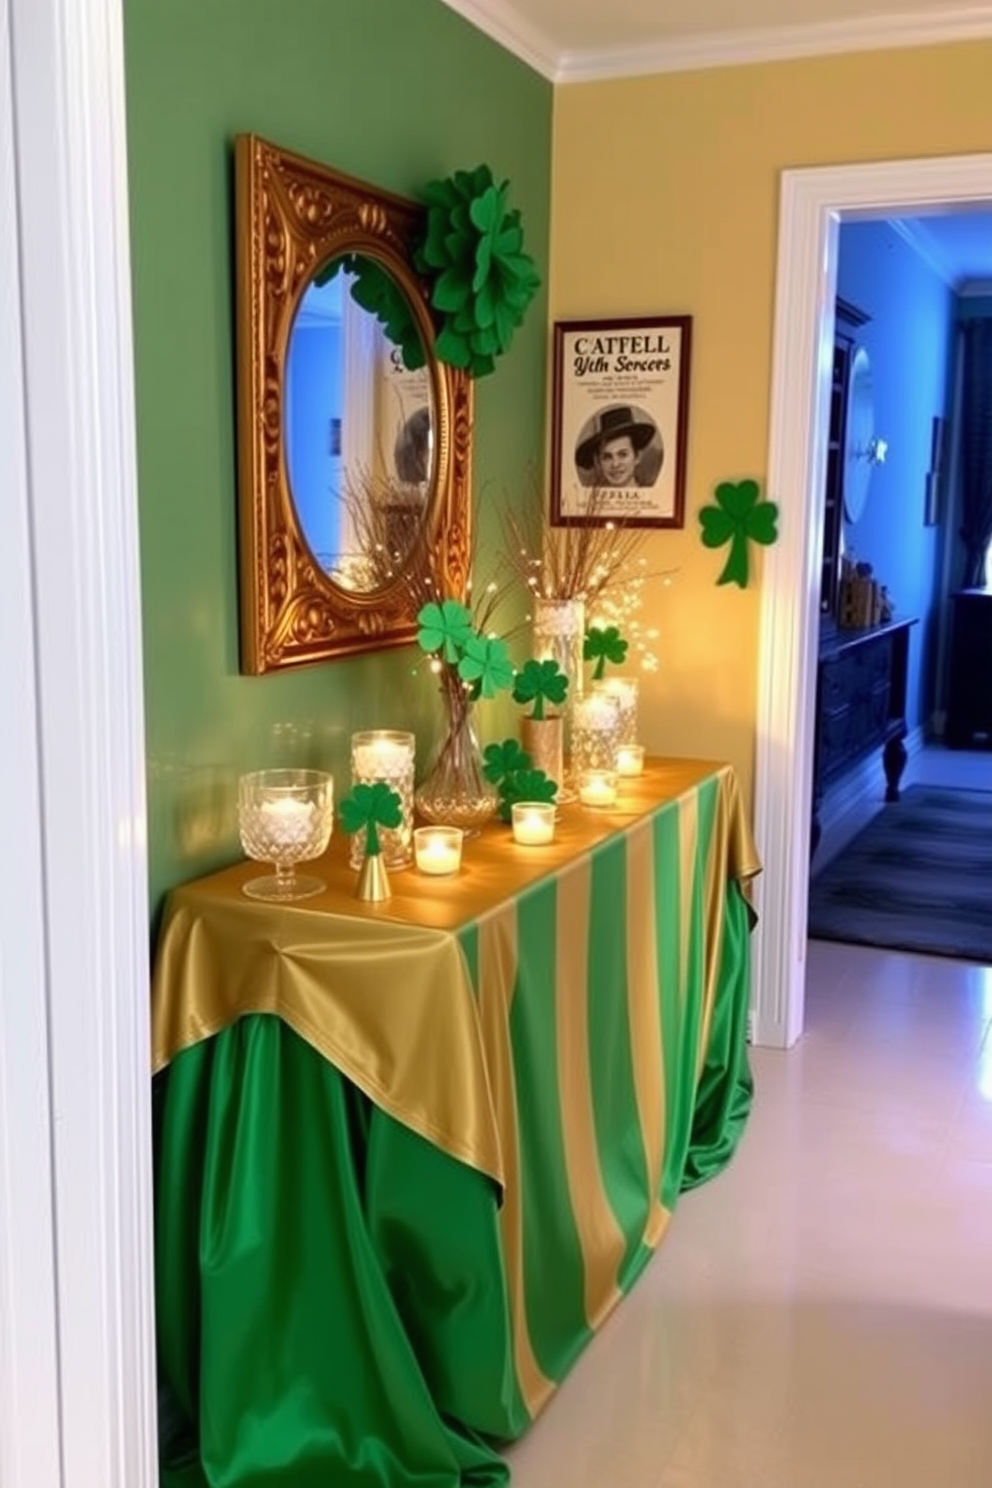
pixel 571 40
pixel 578 40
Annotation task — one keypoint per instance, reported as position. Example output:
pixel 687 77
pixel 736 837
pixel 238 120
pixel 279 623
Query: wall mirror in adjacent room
pixel 353 438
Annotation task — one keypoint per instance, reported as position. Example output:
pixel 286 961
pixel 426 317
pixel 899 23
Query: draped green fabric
pixel 341 1300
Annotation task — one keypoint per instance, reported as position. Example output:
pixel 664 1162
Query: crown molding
pixel 917 238
pixel 501 21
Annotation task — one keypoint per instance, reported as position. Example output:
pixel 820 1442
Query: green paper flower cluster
pixel 602 646
pixel 540 682
pixel 482 662
pixel 482 279
pixel 371 807
pixel 510 769
pixel 737 518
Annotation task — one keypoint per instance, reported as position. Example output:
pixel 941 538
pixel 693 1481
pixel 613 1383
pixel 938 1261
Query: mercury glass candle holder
pixel 386 755
pixel 626 690
pixel 285 817
pixel 595 733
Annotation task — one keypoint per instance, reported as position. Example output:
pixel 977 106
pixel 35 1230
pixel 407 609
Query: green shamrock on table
pixel 739 516
pixel 371 807
pixel 540 682
pixel 603 645
pixel 510 769
pixel 483 662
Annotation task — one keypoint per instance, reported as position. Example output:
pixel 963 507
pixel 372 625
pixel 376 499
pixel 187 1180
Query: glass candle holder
pixel 598 787
pixel 386 755
pixel 595 733
pixel 630 759
pixel 626 690
pixel 438 850
pixel 285 817
pixel 533 823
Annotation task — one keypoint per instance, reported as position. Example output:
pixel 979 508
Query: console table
pixel 860 705
pixel 410 1155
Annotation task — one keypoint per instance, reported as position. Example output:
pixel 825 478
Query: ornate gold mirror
pixel 353 438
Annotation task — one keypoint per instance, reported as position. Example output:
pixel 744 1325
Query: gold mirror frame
pixel 292 216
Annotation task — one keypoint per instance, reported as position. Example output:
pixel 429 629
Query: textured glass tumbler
pixel 386 755
pixel 595 733
pixel 626 691
pixel 559 635
pixel 285 817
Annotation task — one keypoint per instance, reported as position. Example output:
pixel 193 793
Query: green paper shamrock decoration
pixel 524 785
pixel 371 807
pixel 511 770
pixel 482 662
pixel 444 627
pixel 486 665
pixel 602 646
pixel 483 279
pixel 501 760
pixel 540 682
pixel 738 517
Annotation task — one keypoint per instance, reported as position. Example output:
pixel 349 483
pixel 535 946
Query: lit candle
pixel 598 788
pixel 380 759
pixel 288 823
pixel 630 759
pixel 438 850
pixel 533 823
pixel 596 712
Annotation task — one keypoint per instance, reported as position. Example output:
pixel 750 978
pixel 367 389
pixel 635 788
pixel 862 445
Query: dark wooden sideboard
pixel 969 703
pixel 860 706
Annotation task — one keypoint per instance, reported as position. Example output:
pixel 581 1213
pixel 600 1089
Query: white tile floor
pixel 820 1315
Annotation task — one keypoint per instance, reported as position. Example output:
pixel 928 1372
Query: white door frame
pixel 813 202
pixel 77 1358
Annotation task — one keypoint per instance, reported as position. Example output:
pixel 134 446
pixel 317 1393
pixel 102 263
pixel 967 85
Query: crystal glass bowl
pixel 285 817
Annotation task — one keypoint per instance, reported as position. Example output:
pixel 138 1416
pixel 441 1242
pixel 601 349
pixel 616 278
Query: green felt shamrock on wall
pixel 483 280
pixel 739 517
pixel 603 645
pixel 371 807
pixel 540 682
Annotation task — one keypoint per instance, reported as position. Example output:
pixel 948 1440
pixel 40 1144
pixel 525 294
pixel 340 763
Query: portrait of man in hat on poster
pixel 620 447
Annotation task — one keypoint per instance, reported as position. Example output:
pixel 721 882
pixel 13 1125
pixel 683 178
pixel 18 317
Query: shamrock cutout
pixel 738 517
pixel 504 759
pixel 444 627
pixel 524 785
pixel 602 646
pixel 486 664
pixel 540 682
pixel 371 807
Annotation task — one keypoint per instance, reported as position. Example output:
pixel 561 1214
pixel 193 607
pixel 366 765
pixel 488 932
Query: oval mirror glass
pixel 359 423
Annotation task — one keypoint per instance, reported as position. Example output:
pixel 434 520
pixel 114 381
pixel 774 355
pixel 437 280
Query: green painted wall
pixel 397 92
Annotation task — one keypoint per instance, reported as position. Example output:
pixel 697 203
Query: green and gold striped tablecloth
pixel 410 1155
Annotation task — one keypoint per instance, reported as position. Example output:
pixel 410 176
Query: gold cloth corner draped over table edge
pixel 382 991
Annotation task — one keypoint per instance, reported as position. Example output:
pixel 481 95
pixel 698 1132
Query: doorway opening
pixel 813 203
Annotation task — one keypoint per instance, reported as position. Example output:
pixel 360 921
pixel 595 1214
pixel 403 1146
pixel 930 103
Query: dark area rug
pixel 917 878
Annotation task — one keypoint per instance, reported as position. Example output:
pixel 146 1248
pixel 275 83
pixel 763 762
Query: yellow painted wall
pixel 665 200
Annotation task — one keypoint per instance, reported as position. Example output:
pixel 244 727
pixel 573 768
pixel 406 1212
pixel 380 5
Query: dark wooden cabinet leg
pixel 894 760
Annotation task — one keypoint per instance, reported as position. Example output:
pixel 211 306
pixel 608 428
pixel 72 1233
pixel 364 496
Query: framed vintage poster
pixel 620 411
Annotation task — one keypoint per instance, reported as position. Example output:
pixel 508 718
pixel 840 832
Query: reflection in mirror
pixel 358 420
pixel 353 438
